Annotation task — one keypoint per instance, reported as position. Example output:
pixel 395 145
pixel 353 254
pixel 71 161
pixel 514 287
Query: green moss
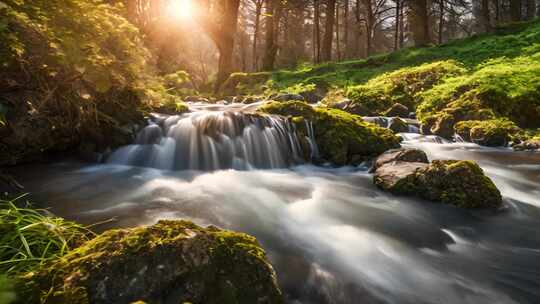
pixel 402 86
pixel 174 260
pixel 245 84
pixel 495 132
pixel 508 88
pixel 459 183
pixel 342 138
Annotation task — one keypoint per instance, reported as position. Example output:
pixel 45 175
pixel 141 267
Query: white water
pixel 213 140
pixel 331 235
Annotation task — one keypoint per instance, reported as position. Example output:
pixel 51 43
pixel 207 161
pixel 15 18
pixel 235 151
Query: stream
pixel 331 235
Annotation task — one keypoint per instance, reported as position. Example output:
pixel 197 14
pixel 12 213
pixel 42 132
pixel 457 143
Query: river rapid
pixel 331 235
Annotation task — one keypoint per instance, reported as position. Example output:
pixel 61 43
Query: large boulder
pixel 170 262
pixel 459 183
pixel 342 138
pixel 400 155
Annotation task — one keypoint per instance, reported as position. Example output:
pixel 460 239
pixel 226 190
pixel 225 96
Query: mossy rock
pixel 459 183
pixel 169 262
pixel 397 110
pixel 402 86
pixel 245 84
pixel 410 155
pixel 495 132
pixel 398 125
pixel 442 123
pixel 342 138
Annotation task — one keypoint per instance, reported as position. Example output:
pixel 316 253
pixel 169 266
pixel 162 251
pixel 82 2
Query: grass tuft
pixel 31 237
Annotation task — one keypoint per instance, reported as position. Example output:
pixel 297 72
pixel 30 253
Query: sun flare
pixel 180 9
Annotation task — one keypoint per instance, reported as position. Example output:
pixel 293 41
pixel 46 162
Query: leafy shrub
pixel 73 70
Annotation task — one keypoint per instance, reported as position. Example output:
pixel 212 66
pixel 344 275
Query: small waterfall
pixel 311 140
pixel 419 138
pixel 213 140
pixel 386 122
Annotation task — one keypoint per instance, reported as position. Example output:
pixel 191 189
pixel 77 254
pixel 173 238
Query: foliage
pixel 72 70
pixel 29 238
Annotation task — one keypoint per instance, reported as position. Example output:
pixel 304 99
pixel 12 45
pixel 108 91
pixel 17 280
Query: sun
pixel 180 9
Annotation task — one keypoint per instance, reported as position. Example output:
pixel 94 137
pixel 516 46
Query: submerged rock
pixel 403 155
pixel 459 183
pixel 342 138
pixel 170 262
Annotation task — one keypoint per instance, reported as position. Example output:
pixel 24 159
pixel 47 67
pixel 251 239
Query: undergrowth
pixel 31 237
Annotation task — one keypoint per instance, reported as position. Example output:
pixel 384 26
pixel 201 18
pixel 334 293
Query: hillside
pixel 491 77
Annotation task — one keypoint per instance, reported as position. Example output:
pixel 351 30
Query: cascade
pixel 213 140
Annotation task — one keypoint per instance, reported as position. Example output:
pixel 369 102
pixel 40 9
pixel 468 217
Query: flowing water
pixel 330 234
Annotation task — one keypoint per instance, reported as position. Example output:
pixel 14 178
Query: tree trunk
pixel 486 19
pixel 441 21
pixel 497 12
pixel 346 29
pixel 419 22
pixel 329 30
pixel 221 23
pixel 317 31
pixel 273 11
pixel 401 25
pixel 369 26
pixel 338 47
pixel 258 12
pixel 515 10
pixel 531 9
pixel 225 48
pixel 396 27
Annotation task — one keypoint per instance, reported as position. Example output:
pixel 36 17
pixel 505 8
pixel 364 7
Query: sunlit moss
pixel 342 138
pixel 175 259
